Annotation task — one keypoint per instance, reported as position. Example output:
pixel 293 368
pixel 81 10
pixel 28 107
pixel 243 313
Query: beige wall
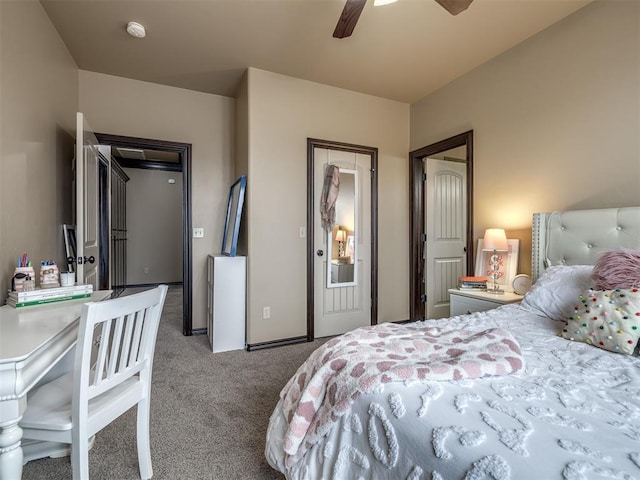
pixel 150 191
pixel 242 153
pixel 556 121
pixel 283 113
pixel 39 98
pixel 139 109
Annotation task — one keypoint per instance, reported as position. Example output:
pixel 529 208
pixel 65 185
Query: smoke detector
pixel 136 30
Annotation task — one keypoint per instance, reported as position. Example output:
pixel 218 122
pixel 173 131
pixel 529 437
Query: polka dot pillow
pixel 608 319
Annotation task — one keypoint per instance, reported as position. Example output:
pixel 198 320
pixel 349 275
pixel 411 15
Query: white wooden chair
pixel 120 334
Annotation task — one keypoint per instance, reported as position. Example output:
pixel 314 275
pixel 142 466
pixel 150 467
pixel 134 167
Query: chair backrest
pixel 120 335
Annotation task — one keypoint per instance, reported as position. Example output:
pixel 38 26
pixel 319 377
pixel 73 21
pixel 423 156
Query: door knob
pixel 85 260
pixel 320 253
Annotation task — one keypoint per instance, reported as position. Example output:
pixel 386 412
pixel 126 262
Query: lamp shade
pixel 340 236
pixel 495 239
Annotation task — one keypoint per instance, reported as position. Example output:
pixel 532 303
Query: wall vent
pixel 131 153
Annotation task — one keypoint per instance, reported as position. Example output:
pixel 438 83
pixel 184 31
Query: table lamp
pixel 495 239
pixel 340 238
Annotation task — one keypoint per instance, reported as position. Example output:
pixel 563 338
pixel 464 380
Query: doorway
pixel 342 271
pixel 418 226
pixel 183 164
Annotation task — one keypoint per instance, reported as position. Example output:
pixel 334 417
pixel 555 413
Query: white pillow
pixel 608 319
pixel 555 292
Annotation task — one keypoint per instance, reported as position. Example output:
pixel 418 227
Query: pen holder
pixel 49 276
pixel 20 276
pixel 67 279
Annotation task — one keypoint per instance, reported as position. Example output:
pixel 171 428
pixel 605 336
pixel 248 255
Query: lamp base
pixel 495 290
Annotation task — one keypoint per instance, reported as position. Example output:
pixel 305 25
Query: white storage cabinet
pixel 226 302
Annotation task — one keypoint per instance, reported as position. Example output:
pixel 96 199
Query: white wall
pixel 133 108
pixel 556 121
pixel 39 98
pixel 283 113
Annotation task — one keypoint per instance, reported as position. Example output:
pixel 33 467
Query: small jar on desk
pixel 468 301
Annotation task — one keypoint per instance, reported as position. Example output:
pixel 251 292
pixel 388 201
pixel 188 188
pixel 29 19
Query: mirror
pixel 342 240
pixel 232 219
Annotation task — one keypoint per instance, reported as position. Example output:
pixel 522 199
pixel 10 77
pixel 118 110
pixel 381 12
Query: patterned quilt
pixel 353 364
pixel 572 413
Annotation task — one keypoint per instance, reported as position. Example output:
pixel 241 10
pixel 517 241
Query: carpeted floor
pixel 209 411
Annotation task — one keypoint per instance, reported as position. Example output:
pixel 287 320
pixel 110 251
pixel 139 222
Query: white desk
pixel 32 341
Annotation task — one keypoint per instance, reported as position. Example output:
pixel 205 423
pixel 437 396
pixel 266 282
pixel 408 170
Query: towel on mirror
pixel 330 190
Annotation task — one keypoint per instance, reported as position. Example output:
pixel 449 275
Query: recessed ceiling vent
pixel 131 153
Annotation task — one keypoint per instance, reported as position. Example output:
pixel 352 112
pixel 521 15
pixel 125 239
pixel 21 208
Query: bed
pixel 549 403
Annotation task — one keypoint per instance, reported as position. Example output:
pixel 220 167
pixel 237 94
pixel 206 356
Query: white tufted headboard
pixel 579 237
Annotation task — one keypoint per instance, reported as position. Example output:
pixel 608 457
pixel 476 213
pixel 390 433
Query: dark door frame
pixel 417 213
pixel 184 153
pixel 104 233
pixel 345 147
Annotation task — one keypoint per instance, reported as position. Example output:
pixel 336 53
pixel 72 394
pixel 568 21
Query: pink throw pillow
pixel 617 269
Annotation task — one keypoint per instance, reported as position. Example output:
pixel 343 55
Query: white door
pixel 446 231
pixel 342 270
pixel 86 178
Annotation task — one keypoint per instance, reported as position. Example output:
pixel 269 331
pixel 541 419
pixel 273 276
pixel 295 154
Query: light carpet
pixel 209 411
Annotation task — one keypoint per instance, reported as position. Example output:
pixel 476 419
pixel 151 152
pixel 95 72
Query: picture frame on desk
pixel 508 263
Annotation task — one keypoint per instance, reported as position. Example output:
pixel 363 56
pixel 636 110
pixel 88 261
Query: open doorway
pixel 176 157
pixel 418 214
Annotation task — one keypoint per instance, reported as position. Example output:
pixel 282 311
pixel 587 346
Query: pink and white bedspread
pixel 573 411
pixel 353 364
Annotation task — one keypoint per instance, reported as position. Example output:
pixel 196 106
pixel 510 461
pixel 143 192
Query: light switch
pixel 198 232
pixel 302 233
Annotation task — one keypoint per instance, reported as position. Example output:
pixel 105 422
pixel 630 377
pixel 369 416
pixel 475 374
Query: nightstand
pixel 464 301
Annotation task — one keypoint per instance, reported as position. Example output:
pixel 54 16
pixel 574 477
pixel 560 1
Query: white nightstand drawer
pixel 461 305
pixel 463 302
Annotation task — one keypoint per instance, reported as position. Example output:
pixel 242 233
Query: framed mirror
pixel 342 239
pixel 232 219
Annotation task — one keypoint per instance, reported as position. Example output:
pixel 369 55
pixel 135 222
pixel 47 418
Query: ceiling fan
pixel 353 9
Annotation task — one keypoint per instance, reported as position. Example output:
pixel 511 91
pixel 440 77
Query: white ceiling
pixel 401 51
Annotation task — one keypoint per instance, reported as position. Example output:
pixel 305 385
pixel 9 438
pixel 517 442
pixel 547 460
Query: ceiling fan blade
pixel 349 18
pixel 454 7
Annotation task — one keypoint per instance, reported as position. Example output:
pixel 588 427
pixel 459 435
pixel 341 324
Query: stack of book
pixel 41 296
pixel 472 283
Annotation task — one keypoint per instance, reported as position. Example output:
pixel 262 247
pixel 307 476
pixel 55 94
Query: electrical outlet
pixel 266 312
pixel 145 270
pixel 198 232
